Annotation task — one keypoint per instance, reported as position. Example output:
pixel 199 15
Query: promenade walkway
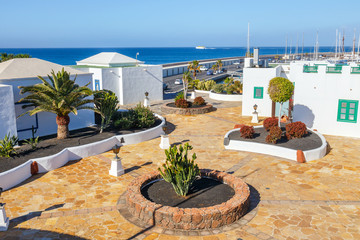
pixel 316 200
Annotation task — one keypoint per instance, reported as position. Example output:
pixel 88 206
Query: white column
pixel 193 95
pixel 165 143
pixel 254 118
pixel 4 221
pixel 146 102
pixel 116 168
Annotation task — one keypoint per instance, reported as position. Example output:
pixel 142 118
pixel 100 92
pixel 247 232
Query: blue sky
pixel 169 23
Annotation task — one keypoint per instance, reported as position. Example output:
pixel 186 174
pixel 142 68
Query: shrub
pixel 180 171
pixel 296 130
pixel 218 88
pixel 270 122
pixel 229 89
pixel 275 134
pixel 138 117
pixel 180 95
pixel 238 87
pixel 7 145
pixel 199 101
pixel 181 103
pixel 123 123
pixel 144 117
pixel 200 85
pixel 209 85
pixel 247 132
pixel 106 104
pixel 33 141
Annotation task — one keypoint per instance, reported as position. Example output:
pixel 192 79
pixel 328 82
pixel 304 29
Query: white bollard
pixel 146 102
pixel 4 221
pixel 254 118
pixel 116 168
pixel 193 95
pixel 165 143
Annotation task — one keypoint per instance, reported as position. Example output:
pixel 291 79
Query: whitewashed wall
pixel 7 111
pixel 258 77
pixel 317 96
pixel 46 121
pixel 138 80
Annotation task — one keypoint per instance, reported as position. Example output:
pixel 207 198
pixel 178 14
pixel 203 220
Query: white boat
pixel 200 47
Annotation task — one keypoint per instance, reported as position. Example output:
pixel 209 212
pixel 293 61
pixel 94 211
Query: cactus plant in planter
pixel 180 171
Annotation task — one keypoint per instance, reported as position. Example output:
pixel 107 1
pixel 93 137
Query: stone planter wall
pixel 186 111
pixel 189 218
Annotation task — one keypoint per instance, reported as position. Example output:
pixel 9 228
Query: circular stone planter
pixel 189 218
pixel 226 97
pixel 166 108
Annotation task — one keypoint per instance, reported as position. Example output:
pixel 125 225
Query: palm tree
pixel 60 96
pixel 194 67
pixel 186 79
pixel 219 64
pixel 215 66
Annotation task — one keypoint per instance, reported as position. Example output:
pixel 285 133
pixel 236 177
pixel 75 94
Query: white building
pixel 128 78
pixel 326 97
pixel 24 72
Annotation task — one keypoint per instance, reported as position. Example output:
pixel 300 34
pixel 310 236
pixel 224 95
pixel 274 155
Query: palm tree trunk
pixel 63 126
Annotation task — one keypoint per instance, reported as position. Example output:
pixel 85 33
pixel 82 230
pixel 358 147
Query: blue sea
pixel 69 56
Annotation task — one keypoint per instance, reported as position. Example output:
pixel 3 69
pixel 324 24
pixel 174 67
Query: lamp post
pixel 116 166
pixel 4 220
pixel 255 115
pixel 164 143
pixel 137 54
pixel 146 100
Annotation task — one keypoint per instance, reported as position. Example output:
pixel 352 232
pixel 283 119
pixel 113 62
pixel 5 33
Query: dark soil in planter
pixel 205 192
pixel 191 105
pixel 225 93
pixel 49 145
pixel 309 142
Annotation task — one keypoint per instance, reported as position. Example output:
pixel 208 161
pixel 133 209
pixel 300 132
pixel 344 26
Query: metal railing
pixel 310 69
pixel 355 70
pixel 332 69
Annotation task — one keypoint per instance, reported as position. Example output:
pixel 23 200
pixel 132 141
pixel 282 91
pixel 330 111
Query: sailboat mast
pixel 248 41
pixel 297 45
pixel 353 51
pixel 302 50
pixel 286 44
pixel 358 46
pixel 343 43
pixel 336 43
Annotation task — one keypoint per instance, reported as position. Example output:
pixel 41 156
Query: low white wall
pixel 20 173
pixel 202 91
pixel 226 97
pixel 274 150
pixel 7 111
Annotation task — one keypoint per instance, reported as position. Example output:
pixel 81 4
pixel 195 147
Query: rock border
pixel 274 150
pixel 226 97
pixel 189 218
pixel 186 111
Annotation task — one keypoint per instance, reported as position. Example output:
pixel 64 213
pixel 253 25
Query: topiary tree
pixel 280 90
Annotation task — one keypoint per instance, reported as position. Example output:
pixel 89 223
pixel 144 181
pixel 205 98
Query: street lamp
pixel 116 166
pixel 4 220
pixel 255 107
pixel 255 115
pixel 164 143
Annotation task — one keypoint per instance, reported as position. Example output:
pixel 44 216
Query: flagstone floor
pixel 315 200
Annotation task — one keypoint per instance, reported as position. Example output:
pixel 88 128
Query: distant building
pixel 24 72
pixel 326 96
pixel 128 78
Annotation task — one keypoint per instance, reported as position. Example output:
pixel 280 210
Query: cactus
pixel 180 171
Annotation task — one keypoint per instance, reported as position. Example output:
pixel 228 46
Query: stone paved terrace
pixel 316 200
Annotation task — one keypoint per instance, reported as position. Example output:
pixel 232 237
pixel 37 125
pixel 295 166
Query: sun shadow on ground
pixel 29 233
pixel 128 170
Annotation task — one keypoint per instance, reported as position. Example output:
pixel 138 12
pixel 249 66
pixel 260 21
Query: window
pixel 97 85
pixel 347 110
pixel 258 92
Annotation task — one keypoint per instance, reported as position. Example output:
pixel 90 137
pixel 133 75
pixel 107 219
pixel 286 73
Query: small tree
pixel 219 64
pixel 194 67
pixel 280 90
pixel 186 79
pixel 106 104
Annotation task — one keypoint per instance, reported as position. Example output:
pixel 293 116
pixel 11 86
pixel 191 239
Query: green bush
pixel 106 104
pixel 180 95
pixel 33 141
pixel 138 117
pixel 200 85
pixel 218 88
pixel 180 171
pixel 7 145
pixel 209 85
pixel 229 89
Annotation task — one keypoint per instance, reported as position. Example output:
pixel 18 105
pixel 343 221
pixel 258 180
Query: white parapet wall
pixel 20 173
pixel 226 97
pixel 272 149
pixel 7 111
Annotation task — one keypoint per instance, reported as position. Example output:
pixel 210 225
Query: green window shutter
pixel 258 92
pixel 347 111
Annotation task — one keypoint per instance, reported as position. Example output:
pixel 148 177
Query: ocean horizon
pixel 154 55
